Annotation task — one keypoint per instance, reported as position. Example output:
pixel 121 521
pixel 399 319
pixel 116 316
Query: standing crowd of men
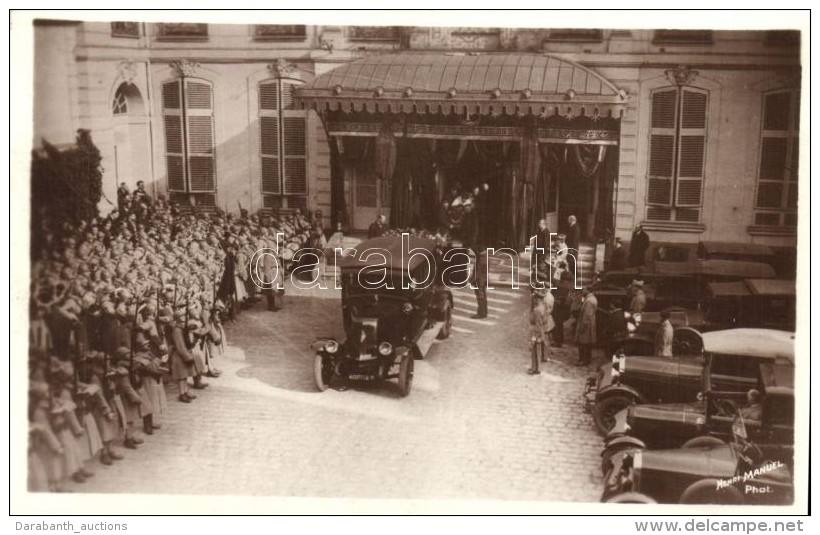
pixel 126 311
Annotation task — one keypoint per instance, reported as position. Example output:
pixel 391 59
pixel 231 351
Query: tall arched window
pixel 677 154
pixel 283 146
pixel 187 107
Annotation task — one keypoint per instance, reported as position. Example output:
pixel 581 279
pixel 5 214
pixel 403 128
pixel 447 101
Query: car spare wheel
pixel 322 372
pixel 605 410
pixel 706 491
pixel 444 333
pixel 405 374
pixel 702 442
pixel 687 341
pixel 630 497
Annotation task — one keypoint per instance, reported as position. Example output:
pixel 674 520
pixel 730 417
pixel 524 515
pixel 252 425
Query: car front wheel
pixel 405 374
pixel 322 372
pixel 605 410
pixel 630 497
pixel 706 491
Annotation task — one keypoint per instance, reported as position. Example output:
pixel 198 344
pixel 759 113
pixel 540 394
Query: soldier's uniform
pixel 479 282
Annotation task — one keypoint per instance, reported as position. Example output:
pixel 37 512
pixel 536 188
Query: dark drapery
pixel 337 186
pixel 386 153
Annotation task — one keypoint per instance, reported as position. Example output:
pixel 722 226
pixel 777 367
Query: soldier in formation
pixel 125 309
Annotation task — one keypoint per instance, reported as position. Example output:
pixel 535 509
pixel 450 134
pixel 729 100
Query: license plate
pixel 359 377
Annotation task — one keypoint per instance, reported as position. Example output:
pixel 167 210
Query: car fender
pixel 625 441
pixel 615 389
pixel 318 345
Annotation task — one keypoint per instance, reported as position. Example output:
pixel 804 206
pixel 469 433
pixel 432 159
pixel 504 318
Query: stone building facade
pixel 693 134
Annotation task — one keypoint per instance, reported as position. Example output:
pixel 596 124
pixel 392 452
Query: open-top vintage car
pixel 732 358
pixel 394 305
pixel 709 419
pixel 718 472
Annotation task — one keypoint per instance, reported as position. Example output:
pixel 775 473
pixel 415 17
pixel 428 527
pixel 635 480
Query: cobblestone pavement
pixel 475 426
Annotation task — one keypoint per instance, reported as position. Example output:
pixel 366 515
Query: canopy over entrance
pixel 514 83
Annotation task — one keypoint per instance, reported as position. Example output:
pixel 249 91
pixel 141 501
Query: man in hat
pixel 573 243
pixel 664 336
pixel 479 282
pixel 563 302
pixel 470 235
pixel 637 297
pixel 378 227
pixel 540 255
pixel 638 247
pixel 618 258
pixel 541 324
pixel 585 332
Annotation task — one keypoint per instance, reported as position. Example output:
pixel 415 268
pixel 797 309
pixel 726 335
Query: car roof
pixel 763 343
pixel 391 247
pixel 771 286
pixel 719 247
pixel 729 289
pixel 737 268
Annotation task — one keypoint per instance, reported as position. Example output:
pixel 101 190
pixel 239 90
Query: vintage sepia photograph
pixel 379 257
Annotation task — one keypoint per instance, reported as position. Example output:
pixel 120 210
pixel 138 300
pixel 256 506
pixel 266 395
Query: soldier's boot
pixel 86 473
pixel 199 384
pixel 148 424
pixel 105 458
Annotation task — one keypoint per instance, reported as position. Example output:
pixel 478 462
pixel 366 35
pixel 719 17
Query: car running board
pixel 428 338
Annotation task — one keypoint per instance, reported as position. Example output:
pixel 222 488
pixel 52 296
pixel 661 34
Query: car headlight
pixel 627 315
pixel 636 318
pixel 631 327
pixel 407 308
pixel 385 348
pixel 331 346
pixel 615 373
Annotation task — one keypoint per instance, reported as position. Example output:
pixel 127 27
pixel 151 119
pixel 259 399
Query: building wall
pixel 81 65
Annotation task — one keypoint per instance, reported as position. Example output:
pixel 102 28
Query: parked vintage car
pixel 682 285
pixel 709 419
pixel 733 356
pixel 390 318
pixel 750 252
pixel 721 473
pixel 766 303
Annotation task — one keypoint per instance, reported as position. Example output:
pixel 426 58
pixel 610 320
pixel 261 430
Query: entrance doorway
pixel 574 199
pixel 370 196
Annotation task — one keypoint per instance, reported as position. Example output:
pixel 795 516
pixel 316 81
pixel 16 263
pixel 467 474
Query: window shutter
pixel 283 141
pixel 661 153
pixel 200 124
pixel 269 96
pixel 269 132
pixel 174 136
pixel 294 132
pixel 692 150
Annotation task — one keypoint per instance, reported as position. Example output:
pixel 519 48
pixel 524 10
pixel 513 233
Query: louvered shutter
pixel 174 136
pixel 692 151
pixel 199 114
pixel 269 137
pixel 294 144
pixel 662 152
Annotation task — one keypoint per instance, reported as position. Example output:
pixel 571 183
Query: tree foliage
pixel 66 187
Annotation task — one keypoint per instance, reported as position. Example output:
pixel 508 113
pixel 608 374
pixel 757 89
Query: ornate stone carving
pixel 184 67
pixel 127 70
pixel 681 75
pixel 283 69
